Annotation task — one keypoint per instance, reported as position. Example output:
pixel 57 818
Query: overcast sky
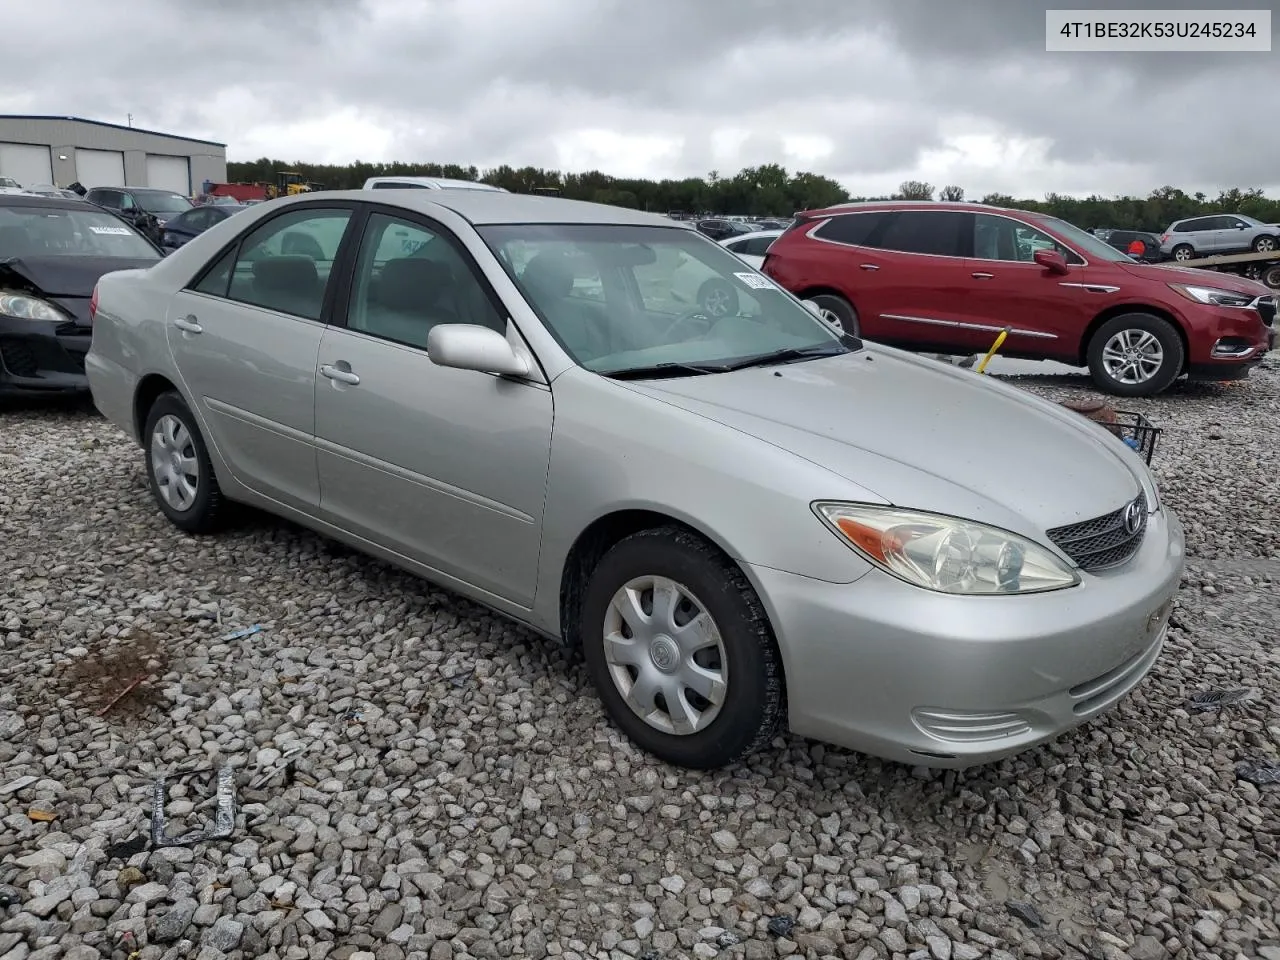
pixel 870 92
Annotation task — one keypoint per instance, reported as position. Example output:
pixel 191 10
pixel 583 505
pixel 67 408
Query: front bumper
pixel 1230 341
pixel 42 358
pixel 895 671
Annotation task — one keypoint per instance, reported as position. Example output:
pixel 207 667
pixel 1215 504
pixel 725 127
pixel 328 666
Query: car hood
pixel 925 435
pixel 67 281
pixel 1168 273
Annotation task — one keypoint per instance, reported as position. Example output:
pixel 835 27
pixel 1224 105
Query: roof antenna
pixel 130 119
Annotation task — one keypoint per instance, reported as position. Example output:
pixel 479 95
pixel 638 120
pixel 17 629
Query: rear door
pixel 245 336
pixel 1046 312
pixel 911 275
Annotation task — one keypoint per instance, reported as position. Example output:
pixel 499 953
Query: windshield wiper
pixel 666 370
pixel 789 355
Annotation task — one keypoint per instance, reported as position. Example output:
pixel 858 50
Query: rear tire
pixel 839 312
pixel 1184 251
pixel 1135 355
pixel 729 652
pixel 179 470
pixel 1271 277
pixel 1264 244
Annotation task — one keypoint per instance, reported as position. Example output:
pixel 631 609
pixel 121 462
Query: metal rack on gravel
pixel 1135 430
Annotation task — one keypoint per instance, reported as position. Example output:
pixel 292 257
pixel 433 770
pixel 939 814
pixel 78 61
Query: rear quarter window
pixel 851 228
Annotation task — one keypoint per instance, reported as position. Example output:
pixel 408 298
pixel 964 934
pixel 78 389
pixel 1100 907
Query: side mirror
pixel 465 346
pixel 1051 260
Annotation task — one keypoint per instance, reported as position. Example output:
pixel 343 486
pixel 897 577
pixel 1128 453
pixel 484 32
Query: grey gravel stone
pixel 434 782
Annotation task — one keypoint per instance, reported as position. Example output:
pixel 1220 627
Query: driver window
pixel 126 202
pixel 1000 238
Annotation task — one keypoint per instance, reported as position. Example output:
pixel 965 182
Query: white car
pixel 751 247
pixel 426 183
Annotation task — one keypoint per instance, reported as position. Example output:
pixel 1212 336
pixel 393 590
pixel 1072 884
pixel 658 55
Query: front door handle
pixel 188 324
pixel 868 266
pixel 337 373
pixel 983 276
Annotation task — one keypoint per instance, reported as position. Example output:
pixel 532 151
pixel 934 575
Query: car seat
pixel 288 284
pixel 297 243
pixel 582 327
pixel 411 296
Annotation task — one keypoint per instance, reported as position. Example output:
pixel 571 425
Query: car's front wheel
pixel 680 650
pixel 1264 244
pixel 179 471
pixel 1135 355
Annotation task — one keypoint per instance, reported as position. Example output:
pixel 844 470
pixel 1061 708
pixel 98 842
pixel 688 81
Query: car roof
pixel 442 182
pixel 489 208
pixel 753 235
pixel 39 200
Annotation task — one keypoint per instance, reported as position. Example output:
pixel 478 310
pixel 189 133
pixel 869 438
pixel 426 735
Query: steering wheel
pixel 687 318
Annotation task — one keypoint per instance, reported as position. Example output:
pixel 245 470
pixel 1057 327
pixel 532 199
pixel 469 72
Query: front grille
pixel 1103 541
pixel 1266 307
pixel 19 359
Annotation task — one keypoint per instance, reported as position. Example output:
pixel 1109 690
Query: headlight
pixel 27 307
pixel 947 554
pixel 1213 296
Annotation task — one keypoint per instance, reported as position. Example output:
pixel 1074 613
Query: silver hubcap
pixel 1133 356
pixel 173 460
pixel 665 655
pixel 716 302
pixel 832 318
pixel 1266 244
pixel 1183 254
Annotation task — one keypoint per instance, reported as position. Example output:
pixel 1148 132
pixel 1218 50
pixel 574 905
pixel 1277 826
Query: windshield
pixel 55 231
pixel 621 297
pixel 163 202
pixel 1085 242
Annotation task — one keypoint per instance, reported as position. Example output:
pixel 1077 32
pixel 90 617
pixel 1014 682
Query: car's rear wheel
pixel 179 471
pixel 1264 244
pixel 1135 355
pixel 1184 251
pixel 718 299
pixel 838 312
pixel 680 650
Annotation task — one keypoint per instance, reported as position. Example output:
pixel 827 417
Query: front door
pixel 447 467
pixel 1046 312
pixel 245 337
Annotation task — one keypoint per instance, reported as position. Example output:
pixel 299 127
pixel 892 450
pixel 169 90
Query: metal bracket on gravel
pixel 224 820
pixel 1212 700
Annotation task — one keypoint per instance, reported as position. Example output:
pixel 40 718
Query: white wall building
pixel 66 150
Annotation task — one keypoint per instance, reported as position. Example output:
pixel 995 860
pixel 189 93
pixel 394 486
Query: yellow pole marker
pixel 982 367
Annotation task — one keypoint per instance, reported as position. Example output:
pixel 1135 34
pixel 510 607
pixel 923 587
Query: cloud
pixel 867 92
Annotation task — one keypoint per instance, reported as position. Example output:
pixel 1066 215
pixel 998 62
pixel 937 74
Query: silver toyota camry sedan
pixel 746 521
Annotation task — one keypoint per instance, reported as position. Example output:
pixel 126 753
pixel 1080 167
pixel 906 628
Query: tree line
pixel 772 190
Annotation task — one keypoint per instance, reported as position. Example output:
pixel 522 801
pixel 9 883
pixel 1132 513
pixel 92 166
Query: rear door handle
pixel 983 276
pixel 868 266
pixel 188 324
pixel 336 373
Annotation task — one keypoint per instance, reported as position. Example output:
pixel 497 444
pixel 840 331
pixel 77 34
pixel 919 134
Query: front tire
pixel 1135 355
pixel 179 470
pixel 838 312
pixel 1184 251
pixel 680 650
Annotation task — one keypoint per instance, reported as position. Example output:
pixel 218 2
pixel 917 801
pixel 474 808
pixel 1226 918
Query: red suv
pixel 948 277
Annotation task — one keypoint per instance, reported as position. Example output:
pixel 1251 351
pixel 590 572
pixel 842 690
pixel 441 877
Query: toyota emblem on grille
pixel 1132 518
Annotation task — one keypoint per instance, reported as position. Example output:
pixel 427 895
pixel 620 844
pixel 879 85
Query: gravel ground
pixel 419 779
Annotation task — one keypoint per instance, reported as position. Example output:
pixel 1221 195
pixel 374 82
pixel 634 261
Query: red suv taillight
pixel 93 304
pixel 1164 238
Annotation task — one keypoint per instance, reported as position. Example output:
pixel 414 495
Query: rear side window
pixel 854 228
pixel 936 233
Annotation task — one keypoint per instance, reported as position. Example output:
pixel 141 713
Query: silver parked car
pixel 744 521
pixel 1211 236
